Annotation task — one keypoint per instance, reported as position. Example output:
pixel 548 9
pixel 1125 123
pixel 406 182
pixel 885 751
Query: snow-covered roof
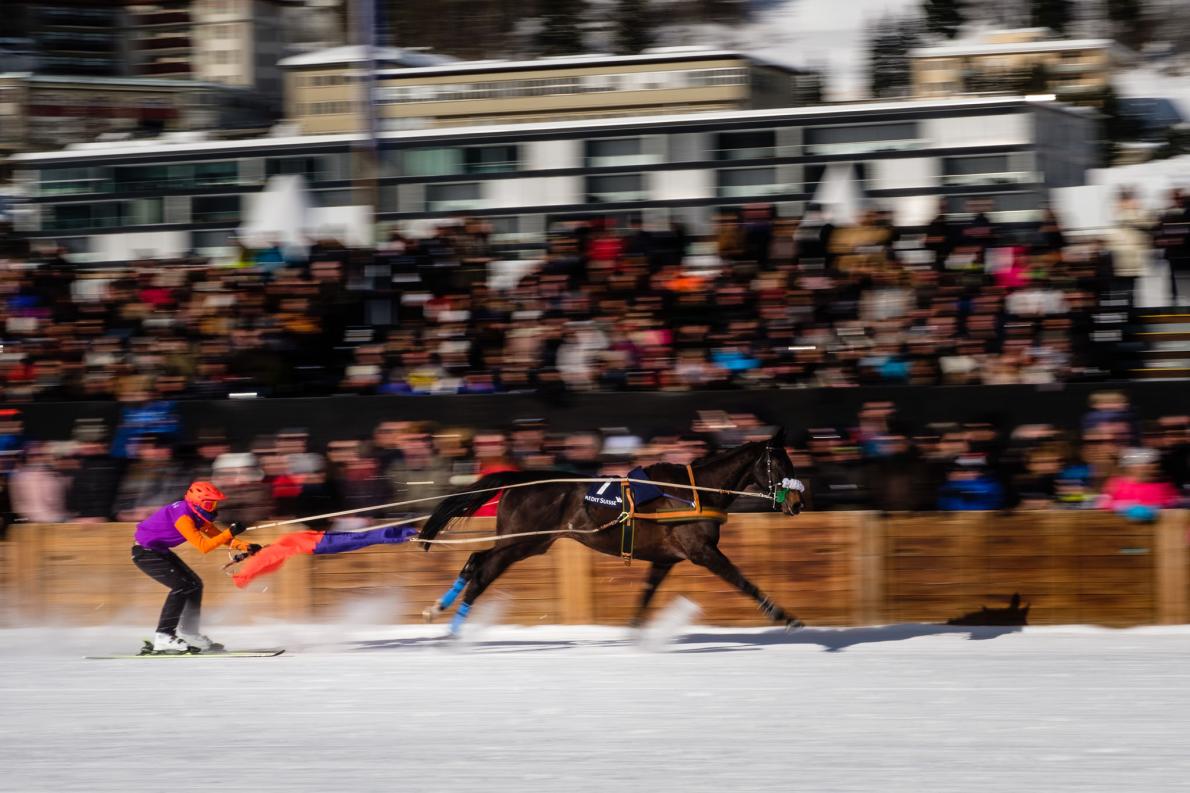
pixel 952 50
pixel 571 61
pixel 157 146
pixel 357 53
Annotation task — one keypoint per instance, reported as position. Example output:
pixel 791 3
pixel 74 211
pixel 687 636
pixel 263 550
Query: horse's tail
pixel 468 503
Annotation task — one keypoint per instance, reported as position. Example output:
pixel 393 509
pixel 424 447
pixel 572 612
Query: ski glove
pixel 237 529
pixel 254 548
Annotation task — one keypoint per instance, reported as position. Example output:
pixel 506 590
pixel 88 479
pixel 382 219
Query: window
pixel 215 209
pixel 332 198
pixel 1003 207
pixel 862 138
pixel 81 216
pixel 146 211
pixel 431 162
pixel 490 159
pixel 309 167
pixel 453 197
pixel 211 240
pixel 610 152
pixel 987 169
pixel 611 189
pixel 72 181
pixel 752 145
pixel 143 178
pixel 447 161
pixel 738 182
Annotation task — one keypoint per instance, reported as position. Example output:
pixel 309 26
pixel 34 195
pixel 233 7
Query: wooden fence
pixel 832 568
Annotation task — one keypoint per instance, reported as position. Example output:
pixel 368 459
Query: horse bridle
pixel 779 494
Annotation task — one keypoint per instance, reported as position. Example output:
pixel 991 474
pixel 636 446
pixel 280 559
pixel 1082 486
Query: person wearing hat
pixel 190 520
pixel 1138 492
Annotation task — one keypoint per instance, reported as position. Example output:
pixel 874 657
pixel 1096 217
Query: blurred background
pixel 332 254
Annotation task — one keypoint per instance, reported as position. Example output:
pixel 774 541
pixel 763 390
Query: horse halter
pixel 787 484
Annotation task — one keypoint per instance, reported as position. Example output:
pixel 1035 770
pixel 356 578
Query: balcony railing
pixel 617 160
pixel 216 216
pixel 1001 177
pixel 745 190
pixel 166 43
pixel 166 67
pixel 617 196
pixel 455 205
pixel 163 18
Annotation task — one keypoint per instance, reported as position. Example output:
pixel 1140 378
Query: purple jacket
pixel 158 532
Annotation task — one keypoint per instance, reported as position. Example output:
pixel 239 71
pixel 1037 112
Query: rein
pixel 564 480
pixel 626 518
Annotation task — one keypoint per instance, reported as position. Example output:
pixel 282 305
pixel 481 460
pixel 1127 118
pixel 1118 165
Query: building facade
pixel 326 96
pixel 1027 60
pixel 65 37
pixel 523 178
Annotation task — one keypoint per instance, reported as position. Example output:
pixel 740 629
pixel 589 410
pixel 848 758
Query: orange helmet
pixel 204 497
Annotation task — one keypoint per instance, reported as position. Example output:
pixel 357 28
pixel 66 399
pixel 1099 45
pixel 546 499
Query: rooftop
pixel 660 55
pixel 357 53
pixel 952 50
pixel 157 146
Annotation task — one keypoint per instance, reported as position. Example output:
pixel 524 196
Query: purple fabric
pixel 343 541
pixel 157 531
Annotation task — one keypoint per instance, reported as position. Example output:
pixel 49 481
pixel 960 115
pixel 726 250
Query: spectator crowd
pixel 1111 461
pixel 765 302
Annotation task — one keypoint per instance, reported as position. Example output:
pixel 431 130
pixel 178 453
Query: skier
pixel 189 520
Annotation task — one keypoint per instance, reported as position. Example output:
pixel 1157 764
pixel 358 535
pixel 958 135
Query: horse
pixel 762 464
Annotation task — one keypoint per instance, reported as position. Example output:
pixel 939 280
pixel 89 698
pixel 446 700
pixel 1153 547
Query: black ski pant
pixel 184 601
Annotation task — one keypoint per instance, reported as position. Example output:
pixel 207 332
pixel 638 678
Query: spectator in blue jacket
pixel 970 487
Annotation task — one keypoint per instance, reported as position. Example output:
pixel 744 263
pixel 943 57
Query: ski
pixel 265 653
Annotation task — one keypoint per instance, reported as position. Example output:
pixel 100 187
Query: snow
pixel 818 34
pixel 1146 82
pixel 580 708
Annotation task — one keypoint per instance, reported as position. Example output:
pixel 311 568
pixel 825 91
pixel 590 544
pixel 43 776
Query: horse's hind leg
pixel 657 574
pixel 714 560
pixel 448 598
pixel 490 565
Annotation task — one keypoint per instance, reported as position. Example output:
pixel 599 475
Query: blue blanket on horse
pixel 607 494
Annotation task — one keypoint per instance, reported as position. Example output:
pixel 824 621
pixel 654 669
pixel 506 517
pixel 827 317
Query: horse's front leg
pixel 657 574
pixel 714 560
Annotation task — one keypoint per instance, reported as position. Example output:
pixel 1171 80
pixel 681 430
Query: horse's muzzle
pixel 792 505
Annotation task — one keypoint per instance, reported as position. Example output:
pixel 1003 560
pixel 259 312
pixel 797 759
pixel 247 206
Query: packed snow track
pixel 358 708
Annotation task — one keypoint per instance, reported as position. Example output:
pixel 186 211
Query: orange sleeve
pixel 200 539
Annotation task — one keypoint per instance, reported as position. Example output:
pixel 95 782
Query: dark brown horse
pixel 763 465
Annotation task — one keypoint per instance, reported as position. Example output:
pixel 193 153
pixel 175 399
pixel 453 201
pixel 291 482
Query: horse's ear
pixel 778 438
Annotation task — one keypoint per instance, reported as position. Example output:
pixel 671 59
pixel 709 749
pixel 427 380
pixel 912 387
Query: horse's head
pixel 773 472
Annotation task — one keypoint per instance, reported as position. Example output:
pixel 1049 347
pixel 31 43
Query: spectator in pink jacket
pixel 1137 492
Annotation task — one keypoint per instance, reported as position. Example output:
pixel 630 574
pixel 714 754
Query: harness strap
pixel 696 512
pixel 628 527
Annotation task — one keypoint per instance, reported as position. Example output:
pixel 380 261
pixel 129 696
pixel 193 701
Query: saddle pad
pixel 607 494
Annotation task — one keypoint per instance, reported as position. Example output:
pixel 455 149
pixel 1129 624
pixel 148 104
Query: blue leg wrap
pixel 447 600
pixel 456 623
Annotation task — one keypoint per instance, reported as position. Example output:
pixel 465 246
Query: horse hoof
pixel 431 612
pixel 793 624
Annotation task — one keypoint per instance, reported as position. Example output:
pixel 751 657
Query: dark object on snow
pixel 1013 615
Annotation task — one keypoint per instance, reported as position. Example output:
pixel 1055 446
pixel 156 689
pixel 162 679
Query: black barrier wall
pixel 328 418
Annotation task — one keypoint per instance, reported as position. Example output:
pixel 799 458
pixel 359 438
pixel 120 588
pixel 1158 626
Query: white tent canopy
pixel 281 214
pixel 839 195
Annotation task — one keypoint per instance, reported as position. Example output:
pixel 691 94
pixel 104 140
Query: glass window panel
pixel 753 144
pixel 431 162
pixel 451 197
pixel 621 187
pixel 490 159
pixel 215 209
